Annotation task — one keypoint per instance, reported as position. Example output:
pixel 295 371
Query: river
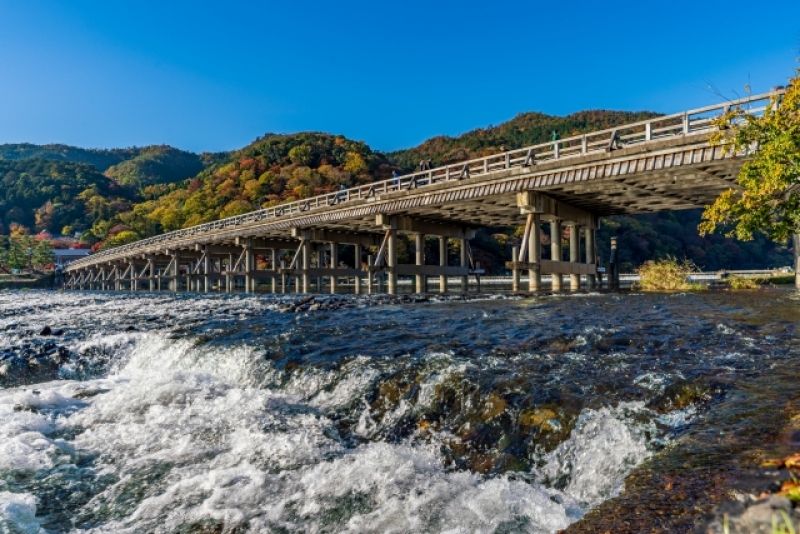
pixel 199 414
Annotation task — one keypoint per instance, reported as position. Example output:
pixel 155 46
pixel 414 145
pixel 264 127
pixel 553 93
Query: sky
pixel 212 76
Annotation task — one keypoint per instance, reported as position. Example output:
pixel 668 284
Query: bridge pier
pixel 574 255
pixel 589 243
pixel 443 264
pixel 534 252
pixel 464 265
pixel 357 265
pixel 555 252
pixel 151 273
pixel 420 281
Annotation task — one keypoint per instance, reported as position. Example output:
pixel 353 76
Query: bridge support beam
pixel 334 263
pixel 391 262
pixel 589 243
pixel 151 273
pixel 357 265
pixel 574 255
pixel 534 253
pixel 273 264
pixel 555 251
pixel 174 270
pixel 464 264
pixel 419 260
pixel 305 245
pixel 443 264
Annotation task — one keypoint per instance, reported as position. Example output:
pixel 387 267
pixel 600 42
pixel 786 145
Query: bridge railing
pixel 700 120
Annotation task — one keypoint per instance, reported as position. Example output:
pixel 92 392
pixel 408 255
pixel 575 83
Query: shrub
pixel 740 282
pixel 667 275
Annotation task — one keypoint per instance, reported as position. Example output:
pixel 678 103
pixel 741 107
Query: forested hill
pixel 57 196
pixel 65 189
pixel 136 166
pixel 271 170
pixel 523 130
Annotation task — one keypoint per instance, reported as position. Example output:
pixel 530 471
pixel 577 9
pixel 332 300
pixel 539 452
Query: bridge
pixel 664 163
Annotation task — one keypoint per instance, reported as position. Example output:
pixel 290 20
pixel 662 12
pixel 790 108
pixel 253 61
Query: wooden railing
pixel 701 120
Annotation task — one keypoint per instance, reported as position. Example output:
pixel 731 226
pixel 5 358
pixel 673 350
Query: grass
pixel 667 275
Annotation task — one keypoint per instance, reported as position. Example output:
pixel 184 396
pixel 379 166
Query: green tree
pixel 18 252
pixel 43 256
pixel 767 196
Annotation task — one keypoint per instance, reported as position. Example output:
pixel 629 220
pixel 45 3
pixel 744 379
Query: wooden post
pixel 463 262
pixel 574 255
pixel 391 262
pixel 206 271
pixel 369 274
pixel 319 253
pixel 591 280
pixel 334 265
pixel 273 256
pixel 151 273
pixel 249 266
pixel 443 263
pixel 229 274
pixel 535 253
pixel 555 251
pixel 419 253
pixel 133 277
pixel 173 282
pixel 357 266
pixel 306 265
pixel 514 269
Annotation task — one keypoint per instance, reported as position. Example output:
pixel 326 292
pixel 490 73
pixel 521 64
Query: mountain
pixel 59 188
pixel 133 166
pixel 156 165
pixel 101 159
pixel 523 130
pixel 272 169
pixel 57 195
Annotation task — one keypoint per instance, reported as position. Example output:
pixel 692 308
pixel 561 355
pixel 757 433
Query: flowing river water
pixel 199 414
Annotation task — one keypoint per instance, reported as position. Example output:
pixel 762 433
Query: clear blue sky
pixel 215 75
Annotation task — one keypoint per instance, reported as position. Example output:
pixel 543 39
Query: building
pixel 65 256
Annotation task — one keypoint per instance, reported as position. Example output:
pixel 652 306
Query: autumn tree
pixel 766 198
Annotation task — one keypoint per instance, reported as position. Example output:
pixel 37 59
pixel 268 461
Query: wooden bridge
pixel 665 163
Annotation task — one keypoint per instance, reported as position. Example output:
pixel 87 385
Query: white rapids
pixel 182 436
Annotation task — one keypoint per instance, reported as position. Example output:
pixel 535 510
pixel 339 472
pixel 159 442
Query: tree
pixel 18 252
pixel 767 196
pixel 43 255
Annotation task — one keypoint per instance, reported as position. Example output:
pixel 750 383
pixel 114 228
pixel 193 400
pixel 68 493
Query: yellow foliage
pixel 666 275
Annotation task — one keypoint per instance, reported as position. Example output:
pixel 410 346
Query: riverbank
pixel 46 281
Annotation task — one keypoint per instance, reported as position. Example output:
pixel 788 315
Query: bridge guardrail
pixel 698 120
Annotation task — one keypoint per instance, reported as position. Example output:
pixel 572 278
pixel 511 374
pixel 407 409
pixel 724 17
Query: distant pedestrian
pixel 395 178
